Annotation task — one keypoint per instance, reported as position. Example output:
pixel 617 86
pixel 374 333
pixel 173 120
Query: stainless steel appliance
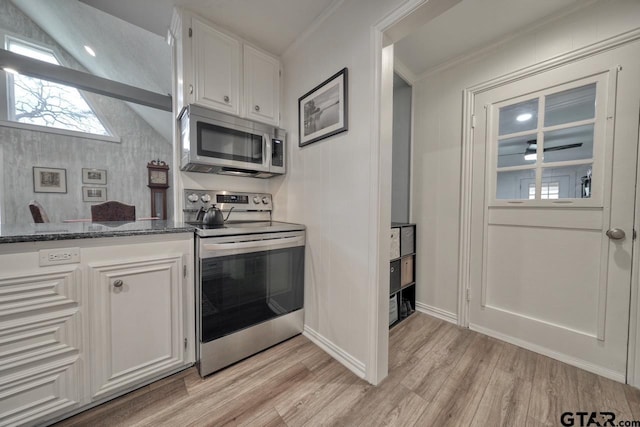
pixel 249 276
pixel 214 142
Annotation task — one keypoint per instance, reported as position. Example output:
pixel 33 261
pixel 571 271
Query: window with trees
pixel 40 102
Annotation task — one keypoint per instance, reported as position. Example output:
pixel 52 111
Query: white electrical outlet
pixel 59 256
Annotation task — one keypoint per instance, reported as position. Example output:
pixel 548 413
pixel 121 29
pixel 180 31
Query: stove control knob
pixel 205 198
pixel 256 199
pixel 193 197
pixel 265 200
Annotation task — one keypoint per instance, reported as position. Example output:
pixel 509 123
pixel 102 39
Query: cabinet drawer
pixel 395 243
pixel 406 273
pixel 394 283
pixel 407 241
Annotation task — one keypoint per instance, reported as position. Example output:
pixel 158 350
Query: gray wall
pixel 401 167
pixel 125 162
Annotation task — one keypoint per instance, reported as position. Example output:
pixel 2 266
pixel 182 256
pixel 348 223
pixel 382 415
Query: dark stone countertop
pixel 14 233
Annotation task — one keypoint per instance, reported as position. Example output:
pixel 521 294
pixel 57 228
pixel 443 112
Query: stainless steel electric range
pixel 249 277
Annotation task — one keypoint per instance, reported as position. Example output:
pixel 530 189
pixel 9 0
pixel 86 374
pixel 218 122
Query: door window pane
pixel 514 185
pixel 574 182
pixel 570 105
pixel 519 117
pixel 574 143
pixel 549 190
pixel 517 151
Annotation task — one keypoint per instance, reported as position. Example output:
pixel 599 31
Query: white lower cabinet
pixel 74 335
pixel 40 345
pixel 137 322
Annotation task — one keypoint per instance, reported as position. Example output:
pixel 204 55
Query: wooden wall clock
pixel 158 184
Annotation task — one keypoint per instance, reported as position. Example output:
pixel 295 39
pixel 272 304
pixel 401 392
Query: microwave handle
pixel 266 150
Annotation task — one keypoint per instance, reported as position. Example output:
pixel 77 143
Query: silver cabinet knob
pixel 257 108
pixel 616 234
pixel 190 89
pixel 226 98
pixel 118 283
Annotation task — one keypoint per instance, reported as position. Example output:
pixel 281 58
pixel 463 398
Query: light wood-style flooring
pixel 439 375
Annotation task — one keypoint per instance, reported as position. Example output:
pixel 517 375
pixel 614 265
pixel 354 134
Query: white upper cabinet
pixel 217 68
pixel 261 86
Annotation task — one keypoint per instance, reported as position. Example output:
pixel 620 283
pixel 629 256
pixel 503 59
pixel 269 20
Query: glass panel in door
pixel 571 105
pixel 243 290
pixel 224 143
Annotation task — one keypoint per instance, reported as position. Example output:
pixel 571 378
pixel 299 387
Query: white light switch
pixel 59 256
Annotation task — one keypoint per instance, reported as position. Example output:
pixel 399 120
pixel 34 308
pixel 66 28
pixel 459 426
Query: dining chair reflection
pixel 38 213
pixel 113 211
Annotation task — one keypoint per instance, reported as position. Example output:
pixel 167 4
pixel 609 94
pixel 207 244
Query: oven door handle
pixel 291 241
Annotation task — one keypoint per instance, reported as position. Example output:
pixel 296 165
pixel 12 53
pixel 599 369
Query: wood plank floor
pixel 439 375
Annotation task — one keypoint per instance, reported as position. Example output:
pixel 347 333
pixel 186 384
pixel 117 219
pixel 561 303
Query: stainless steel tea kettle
pixel 212 216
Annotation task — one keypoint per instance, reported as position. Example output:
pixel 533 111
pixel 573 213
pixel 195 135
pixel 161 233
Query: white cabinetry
pixel 40 340
pixel 137 317
pixel 218 70
pixel 261 86
pixel 79 334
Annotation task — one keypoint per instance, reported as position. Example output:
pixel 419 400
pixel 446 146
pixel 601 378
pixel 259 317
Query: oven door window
pixel 230 144
pixel 239 291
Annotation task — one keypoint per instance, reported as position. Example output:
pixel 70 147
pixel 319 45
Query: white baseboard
pixel 437 312
pixel 570 360
pixel 353 364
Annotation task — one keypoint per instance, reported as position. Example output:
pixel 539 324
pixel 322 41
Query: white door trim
pixel 469 95
pixel 633 354
pixel 380 170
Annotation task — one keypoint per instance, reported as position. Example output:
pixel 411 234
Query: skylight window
pixel 43 103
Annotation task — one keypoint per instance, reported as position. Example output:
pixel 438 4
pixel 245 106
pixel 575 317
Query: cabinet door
pixel 136 322
pixel 40 345
pixel 217 69
pixel 261 86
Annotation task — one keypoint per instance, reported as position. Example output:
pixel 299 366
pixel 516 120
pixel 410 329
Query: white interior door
pixel 554 170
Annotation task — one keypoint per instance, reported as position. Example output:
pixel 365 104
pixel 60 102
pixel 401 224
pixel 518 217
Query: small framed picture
pixel 49 180
pixel 323 111
pixel 94 194
pixel 94 176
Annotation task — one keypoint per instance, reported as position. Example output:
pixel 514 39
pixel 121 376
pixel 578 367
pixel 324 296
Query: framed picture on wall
pixel 323 111
pixel 94 194
pixel 94 176
pixel 49 180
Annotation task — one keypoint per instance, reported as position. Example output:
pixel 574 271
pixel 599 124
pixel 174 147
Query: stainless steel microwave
pixel 214 142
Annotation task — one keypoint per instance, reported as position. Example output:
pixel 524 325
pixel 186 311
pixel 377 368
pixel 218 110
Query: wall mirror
pixel 46 124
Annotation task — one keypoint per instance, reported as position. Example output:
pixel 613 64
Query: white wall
pixel 328 183
pixel 438 127
pixel 401 169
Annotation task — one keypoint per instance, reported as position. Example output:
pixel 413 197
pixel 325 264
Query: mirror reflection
pixel 68 149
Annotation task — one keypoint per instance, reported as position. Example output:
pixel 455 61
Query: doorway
pixel 552 208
